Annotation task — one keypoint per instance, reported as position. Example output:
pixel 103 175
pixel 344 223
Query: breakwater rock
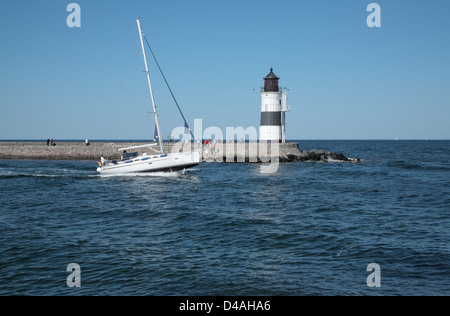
pixel 212 152
pixel 318 155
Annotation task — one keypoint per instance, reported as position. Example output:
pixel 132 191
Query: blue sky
pixel 345 80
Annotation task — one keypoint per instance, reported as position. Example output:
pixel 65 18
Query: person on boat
pixel 123 154
pixel 103 161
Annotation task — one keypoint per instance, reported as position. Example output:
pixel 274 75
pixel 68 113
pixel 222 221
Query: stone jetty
pixel 212 152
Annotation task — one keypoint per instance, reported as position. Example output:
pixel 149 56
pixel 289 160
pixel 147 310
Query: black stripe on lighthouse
pixel 270 118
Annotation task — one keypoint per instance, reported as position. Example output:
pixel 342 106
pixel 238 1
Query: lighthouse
pixel 273 110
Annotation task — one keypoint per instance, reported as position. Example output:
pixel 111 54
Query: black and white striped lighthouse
pixel 273 109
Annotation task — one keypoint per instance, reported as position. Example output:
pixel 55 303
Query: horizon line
pixel 176 140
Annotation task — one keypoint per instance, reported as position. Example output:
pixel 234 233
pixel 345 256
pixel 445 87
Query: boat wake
pixel 158 174
pixel 7 174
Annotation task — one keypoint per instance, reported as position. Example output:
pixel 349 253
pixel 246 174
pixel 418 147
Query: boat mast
pixel 150 88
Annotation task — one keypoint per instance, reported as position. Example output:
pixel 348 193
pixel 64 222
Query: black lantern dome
pixel 271 82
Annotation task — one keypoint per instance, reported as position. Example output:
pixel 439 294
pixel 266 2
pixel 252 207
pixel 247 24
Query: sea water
pixel 310 228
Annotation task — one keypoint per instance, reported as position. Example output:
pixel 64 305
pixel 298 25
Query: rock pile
pixel 316 155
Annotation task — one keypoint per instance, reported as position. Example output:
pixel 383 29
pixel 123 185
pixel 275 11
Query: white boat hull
pixel 153 163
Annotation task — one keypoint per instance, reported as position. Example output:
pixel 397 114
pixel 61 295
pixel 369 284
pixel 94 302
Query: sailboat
pixel 156 161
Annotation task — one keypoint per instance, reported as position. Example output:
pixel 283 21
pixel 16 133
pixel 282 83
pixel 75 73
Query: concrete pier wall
pixel 212 152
